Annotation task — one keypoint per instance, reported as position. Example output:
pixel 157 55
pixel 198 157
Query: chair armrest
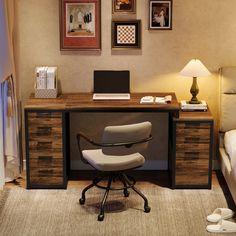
pixel 84 136
pixel 126 144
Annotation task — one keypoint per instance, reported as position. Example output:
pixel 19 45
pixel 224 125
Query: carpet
pixel 58 212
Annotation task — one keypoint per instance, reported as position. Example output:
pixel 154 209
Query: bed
pixel 227 149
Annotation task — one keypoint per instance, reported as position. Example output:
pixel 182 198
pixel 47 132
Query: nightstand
pixel 192 149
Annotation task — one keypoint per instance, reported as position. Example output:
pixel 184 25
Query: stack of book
pixel 186 106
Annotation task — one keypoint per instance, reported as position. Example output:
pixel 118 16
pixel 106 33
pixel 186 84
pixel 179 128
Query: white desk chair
pixel 118 152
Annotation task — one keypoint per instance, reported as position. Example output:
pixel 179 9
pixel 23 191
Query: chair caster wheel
pixel 100 217
pixel 147 209
pixel 82 201
pixel 126 193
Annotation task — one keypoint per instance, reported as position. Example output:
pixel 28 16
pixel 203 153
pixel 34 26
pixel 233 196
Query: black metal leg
pixel 101 214
pixel 146 207
pixel 126 192
pixel 82 199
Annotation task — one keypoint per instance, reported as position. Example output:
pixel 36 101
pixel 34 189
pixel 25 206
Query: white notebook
pixel 156 100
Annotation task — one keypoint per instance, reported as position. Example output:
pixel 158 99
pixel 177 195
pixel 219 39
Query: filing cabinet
pixel 192 147
pixel 45 155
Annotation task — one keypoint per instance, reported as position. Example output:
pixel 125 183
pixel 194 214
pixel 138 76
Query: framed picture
pixel 123 6
pixel 160 15
pixel 126 34
pixel 80 24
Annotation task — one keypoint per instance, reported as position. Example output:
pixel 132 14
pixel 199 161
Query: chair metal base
pixel 128 182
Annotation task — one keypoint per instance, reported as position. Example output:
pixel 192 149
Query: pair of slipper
pixel 220 216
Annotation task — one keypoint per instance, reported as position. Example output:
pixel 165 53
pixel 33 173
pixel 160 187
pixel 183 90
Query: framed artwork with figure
pixel 160 15
pixel 123 6
pixel 80 24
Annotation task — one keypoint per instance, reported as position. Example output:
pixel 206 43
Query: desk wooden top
pixel 85 102
pixel 195 115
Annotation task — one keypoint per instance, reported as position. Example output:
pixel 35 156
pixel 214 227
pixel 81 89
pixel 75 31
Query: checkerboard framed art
pixel 126 34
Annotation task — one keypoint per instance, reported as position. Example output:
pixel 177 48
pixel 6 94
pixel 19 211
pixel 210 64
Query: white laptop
pixel 111 85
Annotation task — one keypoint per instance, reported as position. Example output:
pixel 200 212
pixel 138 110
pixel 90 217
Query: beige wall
pixel 201 29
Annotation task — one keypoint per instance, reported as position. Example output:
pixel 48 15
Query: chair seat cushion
pixel 103 162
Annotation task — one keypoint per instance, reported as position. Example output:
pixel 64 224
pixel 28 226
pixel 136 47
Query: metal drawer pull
pixel 191 140
pixel 191 155
pixel 44 145
pixel 45 158
pixel 43 114
pixel 44 130
pixel 45 171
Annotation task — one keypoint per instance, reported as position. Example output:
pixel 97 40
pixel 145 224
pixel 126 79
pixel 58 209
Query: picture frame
pixel 160 15
pixel 123 6
pixel 126 34
pixel 80 24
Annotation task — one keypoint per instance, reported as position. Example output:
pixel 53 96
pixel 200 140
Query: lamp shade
pixel 195 68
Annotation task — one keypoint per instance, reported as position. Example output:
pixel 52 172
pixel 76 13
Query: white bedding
pixel 230 148
pixel 228 126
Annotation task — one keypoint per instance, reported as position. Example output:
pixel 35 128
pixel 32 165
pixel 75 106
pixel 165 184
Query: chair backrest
pixel 126 133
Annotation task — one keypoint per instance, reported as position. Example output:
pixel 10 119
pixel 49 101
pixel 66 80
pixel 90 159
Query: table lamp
pixel 194 69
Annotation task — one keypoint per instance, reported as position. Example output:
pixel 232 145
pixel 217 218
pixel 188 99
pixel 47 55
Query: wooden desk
pixel 84 102
pixel 47 131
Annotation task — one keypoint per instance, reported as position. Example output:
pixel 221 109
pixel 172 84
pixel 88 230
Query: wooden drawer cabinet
pixel 45 154
pixel 192 137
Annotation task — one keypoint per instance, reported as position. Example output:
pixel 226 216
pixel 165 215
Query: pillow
pixel 230 145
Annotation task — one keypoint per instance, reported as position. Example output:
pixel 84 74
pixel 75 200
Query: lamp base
pixel 194 91
pixel 194 102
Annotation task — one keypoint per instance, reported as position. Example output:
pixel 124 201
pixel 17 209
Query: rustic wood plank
pixel 193 146
pixel 84 101
pixel 45 146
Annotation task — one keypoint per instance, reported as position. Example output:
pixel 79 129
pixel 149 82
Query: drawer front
pixel 46 176
pixel 45 149
pixel 193 142
pixel 44 161
pixel 44 116
pixel 50 145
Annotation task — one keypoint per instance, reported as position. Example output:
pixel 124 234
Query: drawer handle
pixel 191 156
pixel 45 158
pixel 191 125
pixel 44 130
pixel 192 140
pixel 45 171
pixel 43 114
pixel 44 145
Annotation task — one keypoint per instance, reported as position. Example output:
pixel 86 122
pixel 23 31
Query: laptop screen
pixel 110 81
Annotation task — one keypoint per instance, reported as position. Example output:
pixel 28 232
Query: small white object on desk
pixel 163 100
pixel 186 106
pixel 157 100
pixel 147 100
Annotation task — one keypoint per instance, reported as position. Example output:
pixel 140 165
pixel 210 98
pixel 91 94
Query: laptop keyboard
pixel 111 96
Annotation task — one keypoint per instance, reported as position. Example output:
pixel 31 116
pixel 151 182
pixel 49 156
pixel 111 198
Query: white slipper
pixel 223 226
pixel 220 214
